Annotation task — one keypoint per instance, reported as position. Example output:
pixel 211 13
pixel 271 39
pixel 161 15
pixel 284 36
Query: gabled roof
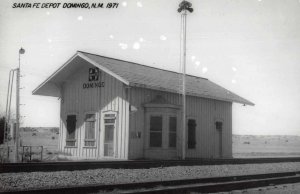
pixel 138 75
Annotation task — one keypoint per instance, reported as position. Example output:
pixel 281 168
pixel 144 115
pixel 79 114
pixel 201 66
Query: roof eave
pixel 34 92
pixel 78 54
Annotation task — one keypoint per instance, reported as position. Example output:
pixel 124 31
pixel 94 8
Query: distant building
pixel 116 109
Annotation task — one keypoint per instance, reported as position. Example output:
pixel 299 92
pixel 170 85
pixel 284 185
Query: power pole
pixel 8 102
pixel 21 51
pixel 184 6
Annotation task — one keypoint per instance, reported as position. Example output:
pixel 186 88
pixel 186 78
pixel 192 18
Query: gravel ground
pixel 20 181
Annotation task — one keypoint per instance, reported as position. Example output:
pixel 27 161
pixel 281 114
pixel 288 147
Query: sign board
pixel 94 79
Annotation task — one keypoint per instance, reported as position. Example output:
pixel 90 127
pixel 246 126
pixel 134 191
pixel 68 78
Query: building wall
pixel 131 130
pixel 78 100
pixel 205 111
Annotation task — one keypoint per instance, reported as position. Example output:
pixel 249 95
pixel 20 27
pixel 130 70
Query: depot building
pixel 115 109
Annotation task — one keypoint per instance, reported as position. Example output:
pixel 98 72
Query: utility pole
pixel 184 6
pixel 21 51
pixel 8 102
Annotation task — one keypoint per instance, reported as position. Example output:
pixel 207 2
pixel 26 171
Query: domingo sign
pixel 94 77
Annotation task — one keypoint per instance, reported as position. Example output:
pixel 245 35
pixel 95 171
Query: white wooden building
pixel 115 109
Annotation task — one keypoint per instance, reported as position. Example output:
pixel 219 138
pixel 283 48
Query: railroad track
pixel 134 164
pixel 203 185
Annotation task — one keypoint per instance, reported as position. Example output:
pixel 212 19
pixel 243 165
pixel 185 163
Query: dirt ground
pixel 244 146
pixel 36 143
pixel 249 146
pixel 46 137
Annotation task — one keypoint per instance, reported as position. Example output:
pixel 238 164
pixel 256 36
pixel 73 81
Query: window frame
pixel 172 132
pixel 161 132
pixel 165 114
pixel 95 130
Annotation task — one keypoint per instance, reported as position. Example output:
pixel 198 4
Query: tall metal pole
pixel 17 111
pixel 21 51
pixel 183 62
pixel 184 6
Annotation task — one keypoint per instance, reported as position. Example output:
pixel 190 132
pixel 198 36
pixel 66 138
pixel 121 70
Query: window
pixel 71 129
pixel 219 125
pixel 172 131
pixel 192 133
pixel 90 124
pixel 156 131
pixel 109 131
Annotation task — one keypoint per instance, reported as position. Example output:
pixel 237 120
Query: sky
pixel 251 48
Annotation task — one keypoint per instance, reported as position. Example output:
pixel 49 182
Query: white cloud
pixel 139 4
pixel 49 40
pixel 123 45
pixel 111 36
pixel 234 69
pixel 80 18
pixel 193 58
pixel 204 69
pixel 124 3
pixel 197 63
pixel 233 81
pixel 163 37
pixel 48 13
pixel 141 39
pixel 136 45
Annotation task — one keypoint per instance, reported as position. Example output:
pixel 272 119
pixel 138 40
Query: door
pixel 109 134
pixel 191 134
pixel 219 126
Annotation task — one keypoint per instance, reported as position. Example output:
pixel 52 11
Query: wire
pixel 7 93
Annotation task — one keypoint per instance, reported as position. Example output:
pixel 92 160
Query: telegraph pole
pixel 184 6
pixel 21 51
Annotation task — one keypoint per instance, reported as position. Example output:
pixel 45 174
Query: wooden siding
pixel 80 101
pixel 205 111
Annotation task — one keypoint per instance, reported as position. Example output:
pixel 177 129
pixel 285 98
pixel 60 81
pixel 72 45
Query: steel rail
pixel 214 184
pixel 219 187
pixel 130 164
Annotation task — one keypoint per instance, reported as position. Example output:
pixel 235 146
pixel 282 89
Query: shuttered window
pixel 156 131
pixel 192 133
pixel 90 124
pixel 71 130
pixel 172 131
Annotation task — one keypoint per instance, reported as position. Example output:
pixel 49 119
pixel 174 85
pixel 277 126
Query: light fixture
pixel 21 51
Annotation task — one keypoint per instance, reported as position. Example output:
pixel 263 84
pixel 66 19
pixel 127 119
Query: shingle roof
pixel 154 78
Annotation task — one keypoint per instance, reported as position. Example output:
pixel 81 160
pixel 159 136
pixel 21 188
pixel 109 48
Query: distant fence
pixel 32 153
